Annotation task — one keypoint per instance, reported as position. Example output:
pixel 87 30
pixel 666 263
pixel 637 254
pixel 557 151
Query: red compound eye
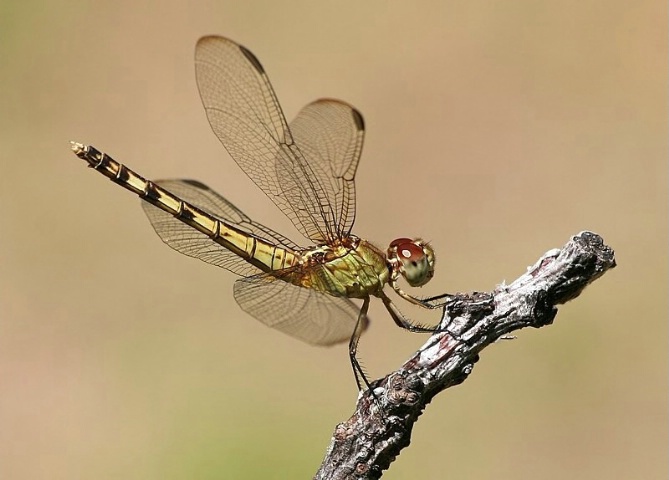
pixel 416 259
pixel 400 241
pixel 409 251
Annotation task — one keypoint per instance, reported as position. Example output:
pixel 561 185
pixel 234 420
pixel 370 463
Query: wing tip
pixel 195 183
pixel 355 113
pixel 252 58
pixel 357 118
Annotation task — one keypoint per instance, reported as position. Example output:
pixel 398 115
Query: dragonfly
pixel 308 170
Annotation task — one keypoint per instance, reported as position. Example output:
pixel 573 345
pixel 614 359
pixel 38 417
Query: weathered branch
pixel 366 444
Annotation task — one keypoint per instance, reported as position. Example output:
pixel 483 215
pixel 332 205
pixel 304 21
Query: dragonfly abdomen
pixel 267 257
pixel 147 190
pixel 256 251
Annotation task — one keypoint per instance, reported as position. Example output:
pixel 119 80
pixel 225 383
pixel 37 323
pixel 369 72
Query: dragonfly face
pixel 413 259
pixel 308 170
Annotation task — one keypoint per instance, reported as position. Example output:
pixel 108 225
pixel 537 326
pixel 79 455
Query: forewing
pixel 302 313
pixel 330 134
pixel 193 243
pixel 245 115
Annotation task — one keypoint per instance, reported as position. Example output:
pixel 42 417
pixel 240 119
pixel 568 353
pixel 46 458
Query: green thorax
pixel 350 268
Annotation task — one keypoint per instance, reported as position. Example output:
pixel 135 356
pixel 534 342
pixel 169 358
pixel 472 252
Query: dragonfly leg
pixel 358 372
pixel 429 302
pixel 402 322
pixel 437 301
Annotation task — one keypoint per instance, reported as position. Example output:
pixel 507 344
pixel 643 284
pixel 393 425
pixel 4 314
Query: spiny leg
pixel 436 301
pixel 358 372
pixel 402 322
pixel 429 302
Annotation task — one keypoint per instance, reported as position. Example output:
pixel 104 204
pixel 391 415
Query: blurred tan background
pixel 495 130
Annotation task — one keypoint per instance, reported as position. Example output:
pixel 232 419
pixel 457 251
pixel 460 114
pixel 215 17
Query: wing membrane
pixel 193 243
pixel 302 313
pixel 330 134
pixel 314 191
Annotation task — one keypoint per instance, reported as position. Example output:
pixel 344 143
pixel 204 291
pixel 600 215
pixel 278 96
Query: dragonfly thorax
pixel 349 267
pixel 413 259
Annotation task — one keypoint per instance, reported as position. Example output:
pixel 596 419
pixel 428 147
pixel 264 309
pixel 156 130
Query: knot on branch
pixel 401 389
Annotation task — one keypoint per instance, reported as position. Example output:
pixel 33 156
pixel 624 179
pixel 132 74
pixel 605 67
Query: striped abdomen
pixel 265 256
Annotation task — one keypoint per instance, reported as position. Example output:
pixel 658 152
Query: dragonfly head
pixel 414 259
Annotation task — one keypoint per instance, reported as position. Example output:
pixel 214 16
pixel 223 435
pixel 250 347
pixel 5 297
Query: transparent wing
pixel 187 240
pixel 245 115
pixel 302 313
pixel 330 134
